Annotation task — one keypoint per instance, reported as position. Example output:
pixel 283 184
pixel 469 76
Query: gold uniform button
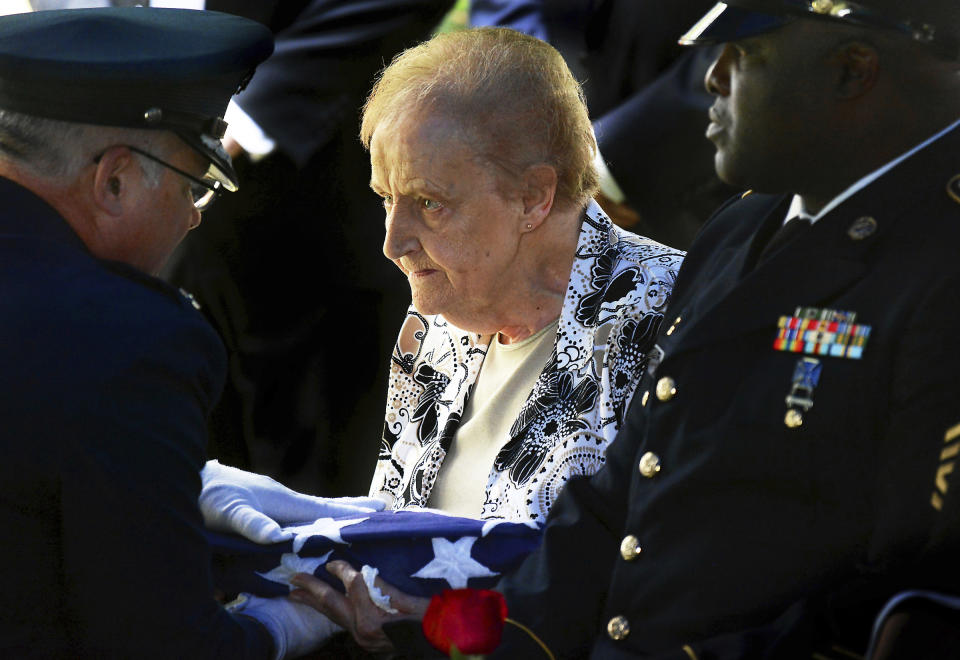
pixel 630 548
pixel 649 465
pixel 645 398
pixel 618 628
pixel 673 327
pixel 666 388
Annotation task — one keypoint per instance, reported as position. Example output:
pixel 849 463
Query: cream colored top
pixel 503 385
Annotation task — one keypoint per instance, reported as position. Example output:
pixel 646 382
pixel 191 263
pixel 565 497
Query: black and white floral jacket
pixel 618 290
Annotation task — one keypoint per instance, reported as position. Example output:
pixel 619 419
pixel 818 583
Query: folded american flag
pixel 420 552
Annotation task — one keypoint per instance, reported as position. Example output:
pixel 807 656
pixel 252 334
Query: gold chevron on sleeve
pixel 947 461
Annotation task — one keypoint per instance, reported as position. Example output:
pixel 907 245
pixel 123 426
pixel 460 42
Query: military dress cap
pixel 738 19
pixel 136 67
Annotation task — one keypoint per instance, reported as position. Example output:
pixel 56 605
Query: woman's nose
pixel 400 238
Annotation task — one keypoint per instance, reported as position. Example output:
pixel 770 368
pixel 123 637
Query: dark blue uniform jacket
pixel 107 375
pixel 752 537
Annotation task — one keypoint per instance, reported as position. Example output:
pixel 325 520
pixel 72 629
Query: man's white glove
pixel 257 507
pixel 297 629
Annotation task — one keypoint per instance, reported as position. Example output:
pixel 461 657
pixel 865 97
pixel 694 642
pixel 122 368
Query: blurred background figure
pixel 290 271
pixel 646 99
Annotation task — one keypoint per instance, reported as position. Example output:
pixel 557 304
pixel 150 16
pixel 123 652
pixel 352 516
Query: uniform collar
pixel 26 214
pixel 797 210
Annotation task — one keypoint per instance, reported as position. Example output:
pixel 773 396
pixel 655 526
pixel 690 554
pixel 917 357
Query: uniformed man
pixel 789 463
pixel 110 122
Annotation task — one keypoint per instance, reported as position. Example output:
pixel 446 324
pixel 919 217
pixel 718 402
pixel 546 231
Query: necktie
pixel 788 232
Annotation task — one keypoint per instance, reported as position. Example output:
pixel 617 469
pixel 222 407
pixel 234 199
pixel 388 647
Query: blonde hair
pixel 512 94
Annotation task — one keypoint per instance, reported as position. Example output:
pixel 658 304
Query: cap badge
pixel 821 6
pixel 922 32
pixel 825 332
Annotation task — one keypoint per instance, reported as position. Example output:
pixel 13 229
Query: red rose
pixel 470 619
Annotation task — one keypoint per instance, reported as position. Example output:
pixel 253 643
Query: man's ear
pixel 113 180
pixel 539 193
pixel 858 69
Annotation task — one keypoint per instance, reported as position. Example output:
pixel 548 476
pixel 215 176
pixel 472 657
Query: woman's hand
pixel 355 611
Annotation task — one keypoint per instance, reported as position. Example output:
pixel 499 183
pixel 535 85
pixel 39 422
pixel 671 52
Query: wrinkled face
pixel 448 227
pixel 771 115
pixel 166 214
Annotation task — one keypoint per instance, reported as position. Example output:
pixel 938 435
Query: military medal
pixel 815 331
pixel 806 377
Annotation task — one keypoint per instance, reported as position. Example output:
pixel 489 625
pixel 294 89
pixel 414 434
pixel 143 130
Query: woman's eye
pixel 431 204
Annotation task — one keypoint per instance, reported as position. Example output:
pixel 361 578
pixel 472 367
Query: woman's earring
pixel 529 226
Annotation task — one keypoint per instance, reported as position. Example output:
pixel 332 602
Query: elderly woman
pixel 532 314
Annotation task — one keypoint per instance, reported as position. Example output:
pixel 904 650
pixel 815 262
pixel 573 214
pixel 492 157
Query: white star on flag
pixel 491 524
pixel 327 527
pixel 291 564
pixel 453 563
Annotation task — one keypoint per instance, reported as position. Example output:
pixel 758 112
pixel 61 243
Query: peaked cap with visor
pixel 738 19
pixel 135 67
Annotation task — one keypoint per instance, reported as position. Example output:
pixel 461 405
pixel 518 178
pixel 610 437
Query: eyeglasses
pixel 203 193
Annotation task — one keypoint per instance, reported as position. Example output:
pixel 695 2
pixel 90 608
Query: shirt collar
pixel 797 210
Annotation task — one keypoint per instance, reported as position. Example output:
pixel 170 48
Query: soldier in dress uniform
pixel 788 464
pixel 789 461
pixel 110 126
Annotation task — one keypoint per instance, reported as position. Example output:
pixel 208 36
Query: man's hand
pixel 355 611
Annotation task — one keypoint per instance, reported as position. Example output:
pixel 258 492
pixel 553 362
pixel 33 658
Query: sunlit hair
pixel 59 150
pixel 513 95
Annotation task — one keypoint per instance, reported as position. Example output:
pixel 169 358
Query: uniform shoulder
pixel 145 288
pixel 91 307
pixel 736 216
